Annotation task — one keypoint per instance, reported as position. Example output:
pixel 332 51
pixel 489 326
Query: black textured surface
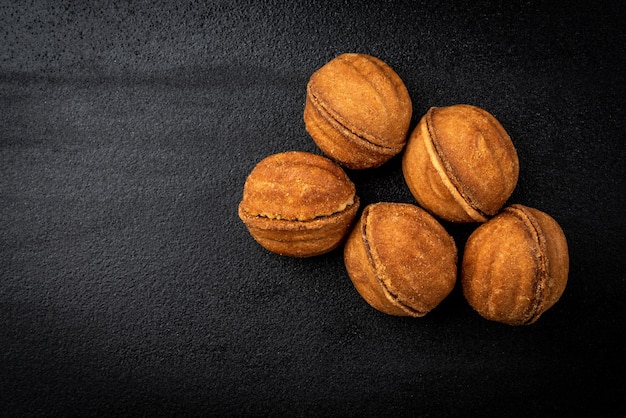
pixel 128 285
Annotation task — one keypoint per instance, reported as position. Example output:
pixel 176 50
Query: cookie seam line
pixel 534 310
pixel 390 295
pixel 316 218
pixel 441 169
pixel 337 122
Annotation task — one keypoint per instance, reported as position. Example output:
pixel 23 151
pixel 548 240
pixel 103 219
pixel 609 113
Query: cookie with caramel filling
pixel 357 111
pixel 298 204
pixel 515 266
pixel 400 259
pixel 460 164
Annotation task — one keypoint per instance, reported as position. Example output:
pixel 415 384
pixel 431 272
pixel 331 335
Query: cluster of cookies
pixel 460 165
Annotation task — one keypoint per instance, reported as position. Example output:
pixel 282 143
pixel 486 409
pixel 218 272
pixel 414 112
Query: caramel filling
pixel 447 176
pixel 394 298
pixel 342 125
pixel 277 216
pixel 539 249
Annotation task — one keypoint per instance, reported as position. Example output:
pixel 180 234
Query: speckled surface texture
pixel 129 286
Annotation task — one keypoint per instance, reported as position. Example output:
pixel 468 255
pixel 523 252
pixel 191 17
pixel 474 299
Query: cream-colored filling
pixel 436 161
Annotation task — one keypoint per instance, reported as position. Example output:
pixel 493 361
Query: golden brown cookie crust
pixel 357 110
pixel 400 259
pixel 460 163
pixel 298 204
pixel 515 266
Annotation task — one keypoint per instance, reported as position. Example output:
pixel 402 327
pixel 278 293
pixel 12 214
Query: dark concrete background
pixel 128 285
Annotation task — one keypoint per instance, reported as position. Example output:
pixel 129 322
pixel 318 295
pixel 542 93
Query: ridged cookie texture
pixel 298 204
pixel 400 259
pixel 515 266
pixel 460 164
pixel 357 111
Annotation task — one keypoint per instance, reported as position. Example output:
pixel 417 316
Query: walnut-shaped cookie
pixel 460 164
pixel 298 204
pixel 400 259
pixel 515 266
pixel 357 111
